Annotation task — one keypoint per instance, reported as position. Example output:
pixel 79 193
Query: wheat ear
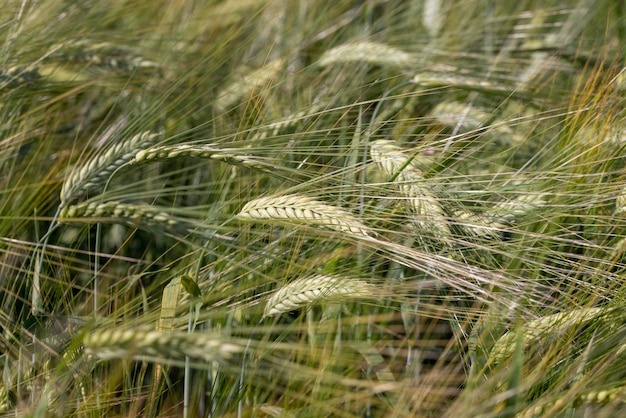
pixel 408 179
pixel 97 171
pixel 535 330
pixel 367 52
pixel 124 343
pixel 301 210
pixel 308 291
pixel 145 214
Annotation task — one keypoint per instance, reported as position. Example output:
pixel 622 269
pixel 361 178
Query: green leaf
pixel 190 286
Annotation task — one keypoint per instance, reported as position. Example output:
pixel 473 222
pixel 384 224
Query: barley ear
pixel 537 329
pixel 444 79
pixel 476 226
pixel 119 343
pixel 274 128
pixel 246 85
pixel 460 115
pixel 17 76
pixel 104 56
pixel 597 397
pixel 408 180
pixel 369 53
pixel 310 290
pixel 513 209
pixel 95 172
pixel 136 214
pixel 301 210
pixel 620 204
pixel 169 152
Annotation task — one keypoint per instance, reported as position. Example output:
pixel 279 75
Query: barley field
pixel 313 208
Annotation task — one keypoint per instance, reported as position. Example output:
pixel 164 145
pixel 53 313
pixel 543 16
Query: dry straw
pixel 368 53
pixel 98 170
pixel 125 343
pixel 245 85
pixel 171 302
pixel 408 179
pixel 172 297
pixel 307 291
pixel 301 210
